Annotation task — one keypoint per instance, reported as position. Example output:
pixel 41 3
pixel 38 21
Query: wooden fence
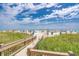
pixel 35 52
pixel 11 48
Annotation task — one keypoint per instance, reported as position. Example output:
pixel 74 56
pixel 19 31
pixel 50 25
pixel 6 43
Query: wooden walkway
pixel 24 51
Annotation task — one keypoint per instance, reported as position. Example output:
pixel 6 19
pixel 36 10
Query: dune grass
pixel 7 37
pixel 61 43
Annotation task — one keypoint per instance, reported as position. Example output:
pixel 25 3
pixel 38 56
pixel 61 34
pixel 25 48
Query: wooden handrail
pixel 33 52
pixel 17 41
pixel 5 47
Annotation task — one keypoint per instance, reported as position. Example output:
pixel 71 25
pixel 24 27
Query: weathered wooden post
pixel 71 53
pixel 24 42
pixel 28 52
pixel 1 53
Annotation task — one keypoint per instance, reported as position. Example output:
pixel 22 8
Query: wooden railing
pixel 11 48
pixel 35 52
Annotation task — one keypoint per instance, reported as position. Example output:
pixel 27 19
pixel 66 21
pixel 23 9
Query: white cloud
pixel 26 20
pixel 40 6
pixel 67 11
pixel 58 6
pixel 11 12
pixel 70 12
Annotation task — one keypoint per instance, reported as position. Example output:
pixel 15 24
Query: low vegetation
pixel 61 43
pixel 7 37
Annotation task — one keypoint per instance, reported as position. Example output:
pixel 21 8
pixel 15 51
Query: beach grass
pixel 61 43
pixel 8 37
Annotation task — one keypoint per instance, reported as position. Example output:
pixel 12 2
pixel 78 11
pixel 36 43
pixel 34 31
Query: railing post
pixel 28 52
pixel 71 53
pixel 24 42
pixel 1 53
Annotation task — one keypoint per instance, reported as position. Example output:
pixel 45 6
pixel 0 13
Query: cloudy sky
pixel 39 16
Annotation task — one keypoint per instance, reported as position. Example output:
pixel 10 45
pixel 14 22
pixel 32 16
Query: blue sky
pixel 39 16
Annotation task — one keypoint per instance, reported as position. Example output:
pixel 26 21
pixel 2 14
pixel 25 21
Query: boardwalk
pixel 24 51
